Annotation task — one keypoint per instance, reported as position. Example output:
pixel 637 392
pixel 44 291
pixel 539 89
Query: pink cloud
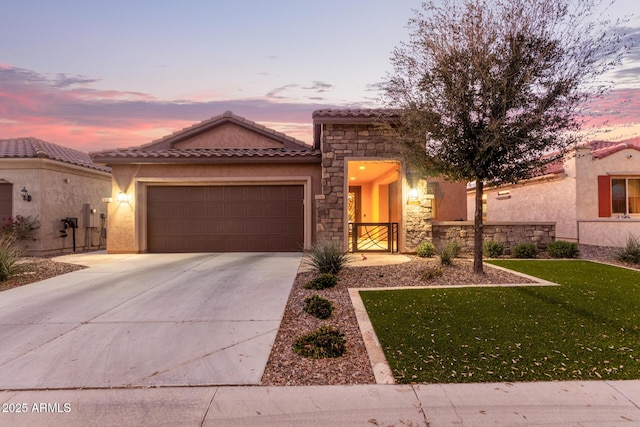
pixel 66 110
pixel 621 106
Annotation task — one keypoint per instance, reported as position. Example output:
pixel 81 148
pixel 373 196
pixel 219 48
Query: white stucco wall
pixel 570 200
pixel 549 200
pixel 57 190
pixel 608 231
pixel 624 163
pixel 605 231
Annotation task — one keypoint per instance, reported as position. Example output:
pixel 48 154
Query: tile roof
pixel 33 148
pixel 206 153
pixel 353 114
pixel 600 149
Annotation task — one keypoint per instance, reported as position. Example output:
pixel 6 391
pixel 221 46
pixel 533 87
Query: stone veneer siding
pixel 357 141
pixel 509 233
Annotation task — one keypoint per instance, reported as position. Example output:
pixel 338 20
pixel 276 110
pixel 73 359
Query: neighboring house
pixel 49 182
pixel 229 184
pixel 593 196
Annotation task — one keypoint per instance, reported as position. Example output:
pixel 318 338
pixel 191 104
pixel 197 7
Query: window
pixel 625 196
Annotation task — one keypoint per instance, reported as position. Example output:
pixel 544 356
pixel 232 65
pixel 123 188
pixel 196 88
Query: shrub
pixel 493 249
pixel 327 259
pixel 525 250
pixel 10 254
pixel 455 248
pixel 321 343
pixel 631 252
pixel 431 273
pixel 425 250
pixel 324 281
pixel 21 227
pixel 446 255
pixel 318 306
pixel 562 249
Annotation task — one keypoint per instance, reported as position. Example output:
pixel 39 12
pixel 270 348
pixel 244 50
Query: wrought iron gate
pixel 373 237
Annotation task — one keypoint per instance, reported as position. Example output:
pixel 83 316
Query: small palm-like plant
pixel 631 252
pixel 10 254
pixel 327 259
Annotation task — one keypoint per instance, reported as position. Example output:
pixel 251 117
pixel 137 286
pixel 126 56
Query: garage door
pixel 267 218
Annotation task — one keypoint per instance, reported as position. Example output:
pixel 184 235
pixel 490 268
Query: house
pixel 593 195
pixel 230 184
pixel 52 183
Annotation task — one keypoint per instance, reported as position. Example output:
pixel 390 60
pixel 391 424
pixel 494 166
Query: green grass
pixel 588 328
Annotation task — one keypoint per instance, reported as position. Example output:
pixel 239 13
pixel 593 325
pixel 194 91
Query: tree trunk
pixel 478 230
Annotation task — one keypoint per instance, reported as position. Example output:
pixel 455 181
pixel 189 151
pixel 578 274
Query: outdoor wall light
pixel 502 195
pixel 413 197
pixel 122 197
pixel 25 194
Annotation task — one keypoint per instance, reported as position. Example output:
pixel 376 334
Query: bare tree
pixel 487 90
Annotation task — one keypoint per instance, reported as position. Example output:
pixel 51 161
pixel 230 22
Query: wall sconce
pixel 413 197
pixel 502 195
pixel 122 198
pixel 25 194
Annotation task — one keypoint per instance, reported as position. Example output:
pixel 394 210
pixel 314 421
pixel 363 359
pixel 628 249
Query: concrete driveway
pixel 147 320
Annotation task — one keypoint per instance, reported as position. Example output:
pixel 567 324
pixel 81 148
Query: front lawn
pixel 587 328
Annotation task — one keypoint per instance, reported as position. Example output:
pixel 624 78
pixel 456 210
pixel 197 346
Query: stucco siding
pixel 57 191
pixel 546 201
pixel 452 206
pixel 127 221
pixel 570 199
pixel 608 232
pixel 622 164
pixel 229 136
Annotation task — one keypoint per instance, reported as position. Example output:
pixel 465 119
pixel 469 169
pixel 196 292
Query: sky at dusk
pixel 95 75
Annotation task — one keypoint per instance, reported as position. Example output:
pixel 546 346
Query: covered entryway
pixel 230 218
pixel 374 205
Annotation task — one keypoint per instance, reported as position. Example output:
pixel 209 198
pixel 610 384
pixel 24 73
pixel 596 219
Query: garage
pixel 225 218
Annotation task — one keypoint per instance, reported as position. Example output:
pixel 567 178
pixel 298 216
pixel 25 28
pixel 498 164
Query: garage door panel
pixel 214 194
pixel 235 210
pixel 276 211
pixel 225 218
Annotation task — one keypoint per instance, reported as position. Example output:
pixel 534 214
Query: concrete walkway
pixel 615 403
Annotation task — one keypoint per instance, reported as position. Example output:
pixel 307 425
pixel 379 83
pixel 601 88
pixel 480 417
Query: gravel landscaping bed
pixel 36 269
pixel 288 368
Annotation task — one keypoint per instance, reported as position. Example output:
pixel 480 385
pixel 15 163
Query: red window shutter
pixel 604 196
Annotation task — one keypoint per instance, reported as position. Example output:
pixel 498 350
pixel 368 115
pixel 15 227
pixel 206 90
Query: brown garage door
pixel 248 218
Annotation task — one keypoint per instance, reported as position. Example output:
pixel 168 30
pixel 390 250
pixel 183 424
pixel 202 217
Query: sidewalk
pixel 593 403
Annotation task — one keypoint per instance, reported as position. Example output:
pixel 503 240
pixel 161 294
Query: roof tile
pixel 600 149
pixel 173 153
pixel 37 148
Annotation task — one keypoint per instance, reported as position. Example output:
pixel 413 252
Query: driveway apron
pixel 148 320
